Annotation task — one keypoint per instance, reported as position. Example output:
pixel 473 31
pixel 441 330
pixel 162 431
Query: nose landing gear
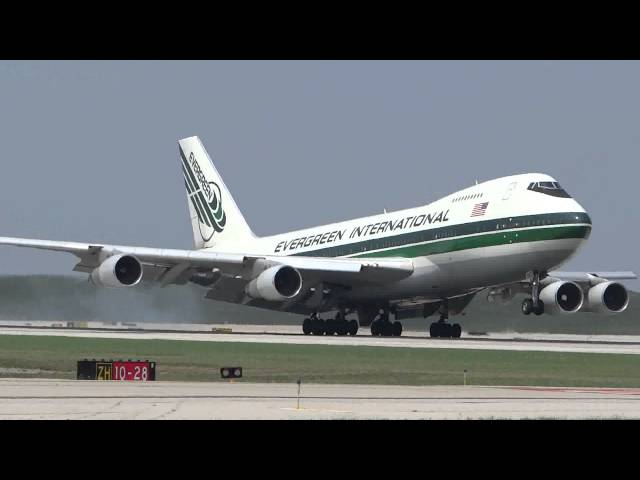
pixel 534 304
pixel 528 307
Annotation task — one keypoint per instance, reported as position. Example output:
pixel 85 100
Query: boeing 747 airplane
pixel 503 236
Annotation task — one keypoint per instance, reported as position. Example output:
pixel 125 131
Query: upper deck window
pixel 548 188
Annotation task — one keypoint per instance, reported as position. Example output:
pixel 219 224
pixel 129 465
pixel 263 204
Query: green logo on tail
pixel 205 196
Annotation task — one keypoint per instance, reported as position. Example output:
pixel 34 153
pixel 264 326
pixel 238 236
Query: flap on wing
pixel 382 269
pixel 588 276
pixel 227 289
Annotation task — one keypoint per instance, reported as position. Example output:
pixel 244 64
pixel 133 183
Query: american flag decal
pixel 479 209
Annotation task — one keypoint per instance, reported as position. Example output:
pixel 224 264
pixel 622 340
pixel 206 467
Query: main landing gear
pixel 442 329
pixel 383 327
pixel 338 325
pixel 534 305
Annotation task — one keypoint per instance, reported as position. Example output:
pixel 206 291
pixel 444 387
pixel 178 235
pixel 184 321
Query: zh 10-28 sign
pixel 120 370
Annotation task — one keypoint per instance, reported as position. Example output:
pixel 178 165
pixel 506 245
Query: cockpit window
pixel 549 188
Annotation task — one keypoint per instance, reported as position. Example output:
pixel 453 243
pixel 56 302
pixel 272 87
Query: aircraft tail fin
pixel 215 217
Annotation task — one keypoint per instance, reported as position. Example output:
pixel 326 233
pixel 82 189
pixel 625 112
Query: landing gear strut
pixel 534 305
pixel 442 329
pixel 315 325
pixel 383 327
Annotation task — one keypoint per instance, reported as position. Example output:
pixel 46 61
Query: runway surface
pixel 287 334
pixel 71 399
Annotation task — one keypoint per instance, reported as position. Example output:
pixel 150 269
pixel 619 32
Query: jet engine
pixel 607 297
pixel 562 297
pixel 117 271
pixel 275 284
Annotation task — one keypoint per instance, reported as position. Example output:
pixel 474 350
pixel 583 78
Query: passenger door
pixel 510 189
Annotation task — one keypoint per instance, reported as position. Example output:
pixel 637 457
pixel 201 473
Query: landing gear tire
pixel 306 326
pixel 318 326
pixel 387 329
pixel 375 330
pixel 353 327
pixel 342 327
pixel 329 327
pixel 445 330
pixel 457 330
pixel 435 331
pixel 379 328
pixel 396 329
pixel 534 304
pixel 529 308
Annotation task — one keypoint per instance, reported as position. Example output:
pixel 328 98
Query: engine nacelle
pixel 275 284
pixel 562 297
pixel 118 271
pixel 607 297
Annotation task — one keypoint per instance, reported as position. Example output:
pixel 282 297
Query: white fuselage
pixel 488 234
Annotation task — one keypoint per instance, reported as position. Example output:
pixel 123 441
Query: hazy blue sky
pixel 89 149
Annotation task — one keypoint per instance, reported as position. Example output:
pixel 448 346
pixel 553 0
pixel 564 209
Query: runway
pixel 287 334
pixel 70 399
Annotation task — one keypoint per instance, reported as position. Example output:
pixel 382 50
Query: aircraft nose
pixel 577 207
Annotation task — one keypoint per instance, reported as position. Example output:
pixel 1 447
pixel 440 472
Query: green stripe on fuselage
pixel 449 238
pixel 483 240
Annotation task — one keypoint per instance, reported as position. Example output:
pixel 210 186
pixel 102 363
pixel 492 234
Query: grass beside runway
pixel 200 361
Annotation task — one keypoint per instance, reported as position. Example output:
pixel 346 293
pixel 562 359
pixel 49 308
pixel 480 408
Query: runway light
pixel 231 372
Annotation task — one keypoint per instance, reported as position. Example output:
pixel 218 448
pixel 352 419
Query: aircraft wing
pixel 584 278
pixel 229 272
pixel 589 277
pixel 609 296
